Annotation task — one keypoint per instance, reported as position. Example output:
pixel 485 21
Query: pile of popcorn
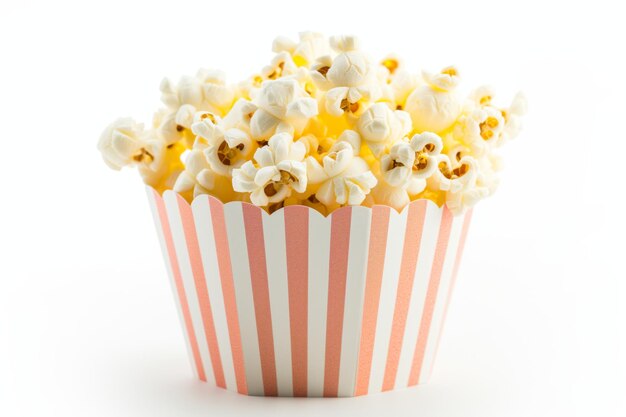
pixel 322 125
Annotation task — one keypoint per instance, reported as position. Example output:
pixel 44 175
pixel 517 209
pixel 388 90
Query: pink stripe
pixel 202 292
pixel 253 221
pixel 457 263
pixel 431 296
pixel 338 269
pixel 228 291
pixel 297 243
pixel 178 281
pixel 375 266
pixel 410 253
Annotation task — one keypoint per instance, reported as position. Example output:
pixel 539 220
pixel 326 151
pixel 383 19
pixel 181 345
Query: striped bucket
pixel 298 304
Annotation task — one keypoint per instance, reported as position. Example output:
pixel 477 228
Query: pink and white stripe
pixel 298 304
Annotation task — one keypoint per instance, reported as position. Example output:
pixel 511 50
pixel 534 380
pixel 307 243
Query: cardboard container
pixel 298 304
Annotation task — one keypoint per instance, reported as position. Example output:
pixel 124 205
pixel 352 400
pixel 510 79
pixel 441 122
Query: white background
pixel 87 322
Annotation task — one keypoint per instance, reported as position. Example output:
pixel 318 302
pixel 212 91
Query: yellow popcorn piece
pixel 435 106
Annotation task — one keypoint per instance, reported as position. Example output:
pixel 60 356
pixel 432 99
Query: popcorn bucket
pixel 298 304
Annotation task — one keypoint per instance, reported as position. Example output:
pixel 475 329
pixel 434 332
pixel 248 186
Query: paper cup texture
pixel 298 304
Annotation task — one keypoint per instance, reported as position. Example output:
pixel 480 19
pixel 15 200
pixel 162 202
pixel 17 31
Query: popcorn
pixel 124 142
pixel 345 178
pixel 406 168
pixel 283 106
pixel 349 80
pixel 206 91
pixel 457 177
pixel 173 127
pixel 278 170
pixel 197 176
pixel 435 106
pixel 311 46
pixel 513 117
pixel 380 126
pixel 225 149
pixel 322 125
pixel 409 164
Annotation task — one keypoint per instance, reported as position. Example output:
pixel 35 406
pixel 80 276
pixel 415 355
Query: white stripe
pixel 355 291
pixel 319 250
pixel 276 260
pixel 236 232
pixel 442 295
pixel 206 241
pixel 182 253
pixel 426 254
pixel 168 266
pixel 389 288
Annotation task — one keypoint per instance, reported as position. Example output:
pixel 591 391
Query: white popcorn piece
pixel 175 126
pixel 409 164
pixel 465 199
pixel 503 124
pixel 283 106
pixel 513 117
pixel 380 127
pixel 435 106
pixel 218 96
pixel 188 90
pixel 279 170
pixel 197 175
pixel 124 142
pixel 349 79
pixel 390 76
pixel 281 65
pixel 481 129
pixel 401 85
pixel 406 168
pixel 239 115
pixel 455 177
pixel 344 43
pixel 344 178
pixel 225 149
pixel 388 195
pixel 206 91
pixel 311 46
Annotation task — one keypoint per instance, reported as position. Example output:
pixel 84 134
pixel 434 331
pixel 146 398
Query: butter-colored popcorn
pixel 162 174
pixel 380 127
pixel 278 170
pixel 175 126
pixel 283 106
pixel 435 106
pixel 311 46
